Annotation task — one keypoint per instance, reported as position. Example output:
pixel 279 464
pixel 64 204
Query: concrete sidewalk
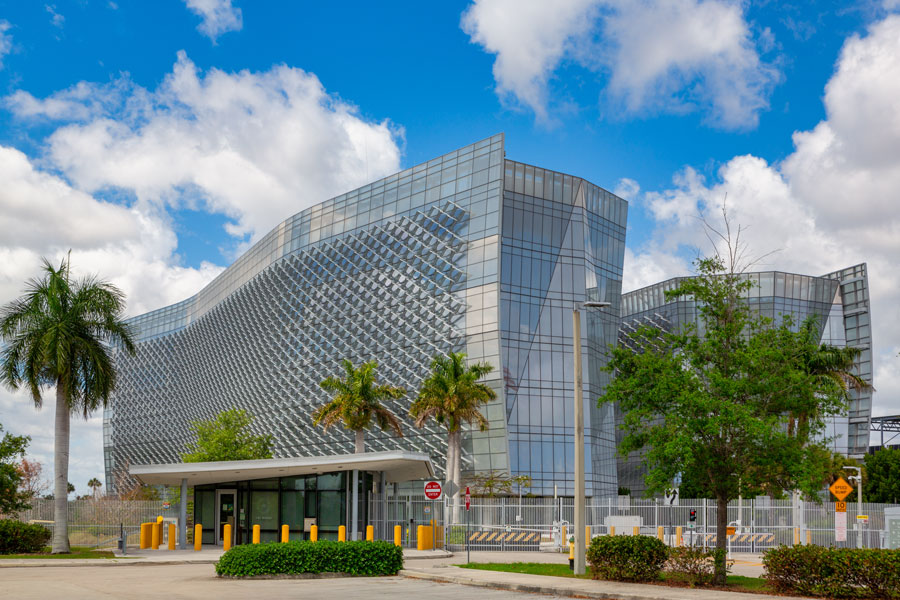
pixel 206 556
pixel 566 587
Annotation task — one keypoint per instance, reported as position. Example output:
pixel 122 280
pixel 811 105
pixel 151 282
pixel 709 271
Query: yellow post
pixel 796 536
pixel 421 543
pixel 198 536
pixel 572 555
pixel 612 530
pixel 226 534
pixel 565 540
pixel 678 531
pixel 285 534
pixel 370 533
pixel 342 533
pixel 398 535
pixel 145 536
pixel 314 533
pixel 808 537
pixel 154 535
pixel 637 531
pixel 172 536
pixel 659 533
pixel 159 519
pixel 256 534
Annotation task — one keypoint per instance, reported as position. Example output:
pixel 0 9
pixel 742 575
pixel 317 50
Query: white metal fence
pixel 510 523
pixel 99 522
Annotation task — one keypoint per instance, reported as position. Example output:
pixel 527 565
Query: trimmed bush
pixel 626 557
pixel 17 537
pixel 834 572
pixel 292 558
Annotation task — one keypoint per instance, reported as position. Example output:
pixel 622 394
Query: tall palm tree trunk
pixel 360 441
pixel 453 472
pixel 60 542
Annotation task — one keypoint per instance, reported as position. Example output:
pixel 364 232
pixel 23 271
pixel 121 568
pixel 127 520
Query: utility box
pixel 892 528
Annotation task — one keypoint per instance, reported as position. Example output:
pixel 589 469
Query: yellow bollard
pixel 398 534
pixel 564 538
pixel 370 533
pixel 226 534
pixel 421 542
pixel 172 536
pixel 145 536
pixel 678 531
pixel 808 537
pixel 660 535
pixel 342 533
pixel 285 534
pixel 796 536
pixel 256 534
pixel 612 530
pixel 314 533
pixel 572 556
pixel 154 535
pixel 637 531
pixel 198 537
pixel 587 536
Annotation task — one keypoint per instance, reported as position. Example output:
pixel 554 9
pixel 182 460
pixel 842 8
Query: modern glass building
pixel 840 300
pixel 468 252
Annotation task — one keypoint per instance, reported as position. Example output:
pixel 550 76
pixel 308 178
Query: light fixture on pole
pixel 580 540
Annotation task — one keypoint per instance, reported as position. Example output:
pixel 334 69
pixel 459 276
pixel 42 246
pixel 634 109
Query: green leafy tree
pixel 59 334
pixel 883 481
pixel 452 395
pixel 358 401
pixel 12 498
pixel 491 484
pixel 715 401
pixel 227 437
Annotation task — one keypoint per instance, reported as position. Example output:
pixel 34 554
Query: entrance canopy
pixel 397 465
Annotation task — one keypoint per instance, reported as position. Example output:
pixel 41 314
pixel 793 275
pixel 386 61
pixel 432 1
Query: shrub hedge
pixel 695 566
pixel 17 537
pixel 834 572
pixel 626 557
pixel 354 558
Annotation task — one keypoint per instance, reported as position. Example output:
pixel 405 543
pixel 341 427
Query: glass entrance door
pixel 225 511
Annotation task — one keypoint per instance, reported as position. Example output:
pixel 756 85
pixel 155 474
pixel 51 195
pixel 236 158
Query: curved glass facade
pixel 467 252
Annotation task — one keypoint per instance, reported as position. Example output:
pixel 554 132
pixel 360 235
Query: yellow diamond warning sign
pixel 840 488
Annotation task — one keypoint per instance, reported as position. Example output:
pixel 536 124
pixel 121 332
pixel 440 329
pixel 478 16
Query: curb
pixel 108 562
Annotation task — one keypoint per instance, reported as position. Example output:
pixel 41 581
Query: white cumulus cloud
pixel 218 17
pixel 654 55
pixel 830 204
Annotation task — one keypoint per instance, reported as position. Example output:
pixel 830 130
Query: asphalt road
pixel 199 581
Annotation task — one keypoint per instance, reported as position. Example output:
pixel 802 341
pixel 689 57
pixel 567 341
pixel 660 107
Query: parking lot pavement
pixel 153 582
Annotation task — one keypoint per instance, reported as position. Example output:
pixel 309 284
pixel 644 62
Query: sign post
pixel 433 492
pixel 841 489
pixel 468 505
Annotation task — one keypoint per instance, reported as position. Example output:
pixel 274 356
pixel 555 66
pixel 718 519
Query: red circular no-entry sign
pixel 433 490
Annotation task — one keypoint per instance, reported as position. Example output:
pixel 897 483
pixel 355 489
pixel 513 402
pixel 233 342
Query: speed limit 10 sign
pixel 433 490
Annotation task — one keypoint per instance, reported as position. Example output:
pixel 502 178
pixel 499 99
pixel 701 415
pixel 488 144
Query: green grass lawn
pixel 734 582
pixel 77 552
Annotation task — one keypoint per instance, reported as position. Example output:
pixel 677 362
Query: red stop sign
pixel 432 490
pixel 468 499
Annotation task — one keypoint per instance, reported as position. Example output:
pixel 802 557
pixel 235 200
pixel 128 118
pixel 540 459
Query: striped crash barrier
pixel 762 539
pixel 525 540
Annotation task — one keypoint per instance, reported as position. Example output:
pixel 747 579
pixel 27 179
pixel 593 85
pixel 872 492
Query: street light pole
pixel 579 533
pixel 858 478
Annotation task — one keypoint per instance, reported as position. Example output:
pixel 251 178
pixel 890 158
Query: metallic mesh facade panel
pixel 398 271
pixel 840 300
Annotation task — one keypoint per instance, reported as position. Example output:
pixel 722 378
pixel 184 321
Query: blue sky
pixel 159 139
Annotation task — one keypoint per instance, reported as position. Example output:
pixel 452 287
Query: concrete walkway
pixel 206 556
pixel 574 588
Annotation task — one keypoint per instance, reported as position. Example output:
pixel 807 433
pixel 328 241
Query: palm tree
pixel 59 334
pixel 95 485
pixel 452 395
pixel 830 366
pixel 357 401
